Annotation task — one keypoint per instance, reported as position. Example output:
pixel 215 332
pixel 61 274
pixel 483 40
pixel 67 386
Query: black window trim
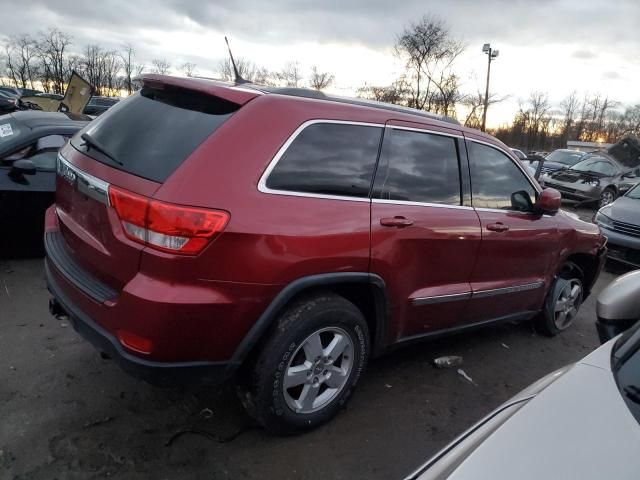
pixel 262 183
pixel 517 163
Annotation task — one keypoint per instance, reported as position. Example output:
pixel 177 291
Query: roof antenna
pixel 239 80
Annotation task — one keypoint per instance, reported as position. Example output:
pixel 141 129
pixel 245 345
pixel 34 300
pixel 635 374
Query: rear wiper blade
pixel 96 145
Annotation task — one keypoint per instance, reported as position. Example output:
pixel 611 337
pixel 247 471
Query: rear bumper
pixel 157 373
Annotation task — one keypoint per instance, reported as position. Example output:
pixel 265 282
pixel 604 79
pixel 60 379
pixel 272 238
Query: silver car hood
pixel 625 209
pixel 578 427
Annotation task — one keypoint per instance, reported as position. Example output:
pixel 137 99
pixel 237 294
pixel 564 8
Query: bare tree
pixel 429 52
pixel 569 107
pixel 246 69
pixel 394 93
pixel 21 60
pixel 161 66
pixel 475 106
pixel 290 75
pixel 320 80
pixel 189 69
pixel 52 50
pixel 127 56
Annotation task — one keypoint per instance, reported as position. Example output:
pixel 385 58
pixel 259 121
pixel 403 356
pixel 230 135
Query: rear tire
pixel 309 365
pixel 562 303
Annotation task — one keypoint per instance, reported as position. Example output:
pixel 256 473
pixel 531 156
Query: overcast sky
pixel 549 45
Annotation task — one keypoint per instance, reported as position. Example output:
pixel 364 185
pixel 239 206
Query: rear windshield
pixel 152 132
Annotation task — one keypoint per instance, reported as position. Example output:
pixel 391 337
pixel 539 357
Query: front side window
pixel 329 159
pixel 496 182
pixel 418 167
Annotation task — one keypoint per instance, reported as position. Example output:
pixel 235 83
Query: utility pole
pixel 491 55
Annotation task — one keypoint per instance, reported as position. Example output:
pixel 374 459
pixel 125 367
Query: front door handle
pixel 399 222
pixel 498 227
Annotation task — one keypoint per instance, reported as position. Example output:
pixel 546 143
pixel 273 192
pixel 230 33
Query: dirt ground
pixel 65 413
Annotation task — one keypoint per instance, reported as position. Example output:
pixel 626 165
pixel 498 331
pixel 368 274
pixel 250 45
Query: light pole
pixel 491 55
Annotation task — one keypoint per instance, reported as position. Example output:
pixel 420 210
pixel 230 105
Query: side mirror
pixel 548 202
pixel 19 168
pixel 618 308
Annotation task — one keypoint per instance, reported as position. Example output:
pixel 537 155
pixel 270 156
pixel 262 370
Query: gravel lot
pixel 67 413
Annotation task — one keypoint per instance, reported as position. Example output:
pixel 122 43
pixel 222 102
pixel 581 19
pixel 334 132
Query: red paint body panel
pixel 201 307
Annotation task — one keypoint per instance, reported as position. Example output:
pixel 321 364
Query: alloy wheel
pixel 567 303
pixel 318 370
pixel 606 198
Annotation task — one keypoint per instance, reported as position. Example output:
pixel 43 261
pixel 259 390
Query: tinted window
pixel 329 159
pixel 152 132
pixel 418 167
pixel 495 178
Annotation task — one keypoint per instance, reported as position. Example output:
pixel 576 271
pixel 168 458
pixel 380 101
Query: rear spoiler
pixel 226 91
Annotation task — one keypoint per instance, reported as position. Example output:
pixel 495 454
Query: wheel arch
pixel 365 290
pixel 586 265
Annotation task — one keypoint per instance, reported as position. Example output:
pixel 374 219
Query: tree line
pixel 46 61
pixel 429 81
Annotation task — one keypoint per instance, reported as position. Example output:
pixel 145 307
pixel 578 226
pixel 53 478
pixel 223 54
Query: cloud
pixel 584 54
pixel 611 75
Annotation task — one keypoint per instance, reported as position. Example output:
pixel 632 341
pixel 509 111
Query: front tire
pixel 562 303
pixel 607 196
pixel 309 365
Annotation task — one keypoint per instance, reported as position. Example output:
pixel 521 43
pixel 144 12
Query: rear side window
pixel 495 178
pixel 418 167
pixel 152 132
pixel 328 159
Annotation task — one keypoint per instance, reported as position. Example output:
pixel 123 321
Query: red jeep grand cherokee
pixel 203 230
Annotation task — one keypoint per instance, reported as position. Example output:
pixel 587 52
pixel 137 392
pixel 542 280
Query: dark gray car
pixel 620 223
pixel 598 177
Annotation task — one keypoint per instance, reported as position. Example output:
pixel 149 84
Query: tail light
pixel 166 226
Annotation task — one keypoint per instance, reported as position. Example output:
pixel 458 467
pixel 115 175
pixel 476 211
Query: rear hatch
pixel 134 147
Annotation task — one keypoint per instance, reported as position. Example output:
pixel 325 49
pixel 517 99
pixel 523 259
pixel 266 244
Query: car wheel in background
pixel 562 303
pixel 309 365
pixel 607 196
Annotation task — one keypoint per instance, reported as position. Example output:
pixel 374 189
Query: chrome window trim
pixel 84 182
pixel 262 183
pixel 424 130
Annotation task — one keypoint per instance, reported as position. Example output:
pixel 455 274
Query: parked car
pixel 204 230
pixel 519 153
pixel 19 92
pixel 598 177
pixel 620 223
pixel 561 159
pixel 578 422
pixel 8 102
pixel 99 105
pixel 29 143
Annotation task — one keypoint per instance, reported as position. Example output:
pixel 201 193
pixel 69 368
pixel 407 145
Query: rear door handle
pixel 498 227
pixel 399 222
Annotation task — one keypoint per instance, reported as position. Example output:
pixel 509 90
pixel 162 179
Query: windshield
pixel 595 165
pixel 626 367
pixel 564 157
pixel 634 192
